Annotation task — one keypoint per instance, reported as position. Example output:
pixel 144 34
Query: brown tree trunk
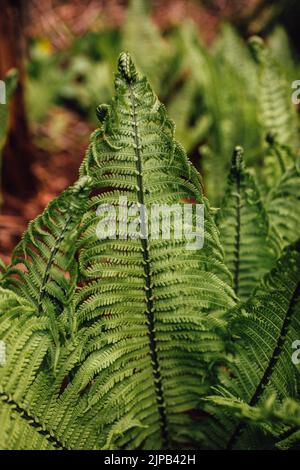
pixel 18 154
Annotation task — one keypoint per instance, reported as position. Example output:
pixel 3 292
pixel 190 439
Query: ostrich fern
pixel 283 205
pixel 263 330
pixel 250 243
pixel 136 156
pixel 110 342
pixel 277 113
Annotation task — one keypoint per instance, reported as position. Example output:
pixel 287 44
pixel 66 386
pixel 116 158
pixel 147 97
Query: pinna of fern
pixel 122 347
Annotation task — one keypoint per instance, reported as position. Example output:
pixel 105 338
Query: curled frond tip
pixel 127 68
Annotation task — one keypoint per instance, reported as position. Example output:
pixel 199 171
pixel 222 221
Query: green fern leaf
pixel 277 113
pixel 147 328
pixel 249 244
pixel 264 328
pixel 281 421
pixel 283 204
pixel 43 269
pixel 134 154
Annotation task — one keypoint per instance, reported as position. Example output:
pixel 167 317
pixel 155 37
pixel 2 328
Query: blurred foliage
pixel 218 96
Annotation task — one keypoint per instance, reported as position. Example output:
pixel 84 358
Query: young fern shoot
pixel 251 245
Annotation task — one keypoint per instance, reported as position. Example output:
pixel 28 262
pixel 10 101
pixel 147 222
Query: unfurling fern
pixel 249 242
pixel 116 349
pixel 263 330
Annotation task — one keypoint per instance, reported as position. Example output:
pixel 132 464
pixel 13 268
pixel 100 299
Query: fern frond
pixel 146 321
pixel 43 269
pixel 277 113
pixel 277 159
pixel 283 203
pixel 141 299
pixel 282 421
pixel 264 329
pixel 249 244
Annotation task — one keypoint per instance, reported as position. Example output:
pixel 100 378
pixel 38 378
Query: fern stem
pixel 148 281
pixel 271 365
pixel 31 421
pixel 238 233
pixel 52 256
pixel 280 160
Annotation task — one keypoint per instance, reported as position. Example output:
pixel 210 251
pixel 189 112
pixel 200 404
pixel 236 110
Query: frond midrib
pixel 32 421
pixel 148 282
pixel 53 254
pixel 237 234
pixel 271 364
